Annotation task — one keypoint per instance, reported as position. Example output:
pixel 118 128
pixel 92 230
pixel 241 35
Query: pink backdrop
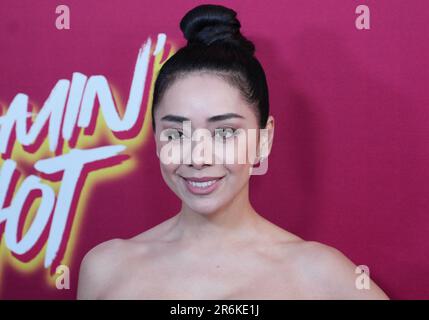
pixel 350 162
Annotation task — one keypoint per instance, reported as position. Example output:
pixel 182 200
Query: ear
pixel 267 138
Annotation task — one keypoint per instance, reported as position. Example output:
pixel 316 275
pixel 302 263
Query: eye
pixel 173 134
pixel 224 133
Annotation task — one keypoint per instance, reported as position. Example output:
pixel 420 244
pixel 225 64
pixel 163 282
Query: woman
pixel 217 246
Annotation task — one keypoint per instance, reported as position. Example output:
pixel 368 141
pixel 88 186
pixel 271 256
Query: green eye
pixel 173 135
pixel 224 133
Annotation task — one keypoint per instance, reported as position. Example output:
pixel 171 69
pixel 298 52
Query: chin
pixel 203 207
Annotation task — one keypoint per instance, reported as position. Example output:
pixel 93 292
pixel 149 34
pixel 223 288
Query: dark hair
pixel 215 44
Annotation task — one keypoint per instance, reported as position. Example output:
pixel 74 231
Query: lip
pixel 202 190
pixel 202 179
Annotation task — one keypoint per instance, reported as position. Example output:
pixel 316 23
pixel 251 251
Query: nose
pixel 201 154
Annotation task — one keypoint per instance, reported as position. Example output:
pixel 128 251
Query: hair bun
pixel 207 24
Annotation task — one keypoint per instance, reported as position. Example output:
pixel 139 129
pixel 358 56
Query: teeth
pixel 204 184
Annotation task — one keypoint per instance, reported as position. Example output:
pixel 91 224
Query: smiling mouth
pixel 204 185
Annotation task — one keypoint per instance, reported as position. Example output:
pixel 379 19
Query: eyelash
pixel 175 131
pixel 234 131
pixel 171 132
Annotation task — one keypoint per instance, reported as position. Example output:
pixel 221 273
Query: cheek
pixel 168 172
pixel 240 151
pixel 169 169
pixel 169 155
pixel 238 173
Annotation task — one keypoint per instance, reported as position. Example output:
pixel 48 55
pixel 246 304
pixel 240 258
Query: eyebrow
pixel 220 117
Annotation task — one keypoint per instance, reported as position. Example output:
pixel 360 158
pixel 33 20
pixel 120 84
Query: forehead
pixel 198 96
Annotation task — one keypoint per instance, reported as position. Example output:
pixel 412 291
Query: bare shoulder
pixel 103 267
pixel 98 266
pixel 155 233
pixel 328 273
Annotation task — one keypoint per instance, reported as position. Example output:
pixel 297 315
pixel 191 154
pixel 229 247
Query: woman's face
pixel 205 178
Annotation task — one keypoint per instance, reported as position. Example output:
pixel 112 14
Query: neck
pixel 233 222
